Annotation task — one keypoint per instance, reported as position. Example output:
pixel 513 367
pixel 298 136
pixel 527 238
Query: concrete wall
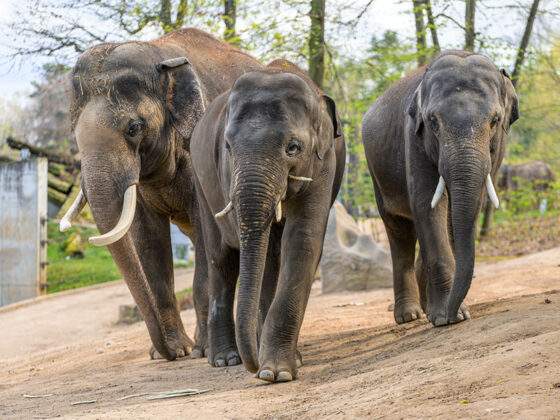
pixel 23 215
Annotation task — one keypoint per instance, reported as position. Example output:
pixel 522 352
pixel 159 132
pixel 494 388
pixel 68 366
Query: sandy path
pixel 358 363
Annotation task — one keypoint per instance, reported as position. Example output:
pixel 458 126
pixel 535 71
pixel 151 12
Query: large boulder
pixel 352 260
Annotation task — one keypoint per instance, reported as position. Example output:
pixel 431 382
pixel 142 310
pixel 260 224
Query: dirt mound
pixel 357 363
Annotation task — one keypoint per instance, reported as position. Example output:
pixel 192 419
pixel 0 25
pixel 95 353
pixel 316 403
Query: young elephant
pixel 434 142
pixel 135 105
pixel 277 159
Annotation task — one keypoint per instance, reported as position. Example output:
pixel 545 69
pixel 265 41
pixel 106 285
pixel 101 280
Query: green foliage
pixel 65 273
pixel 527 198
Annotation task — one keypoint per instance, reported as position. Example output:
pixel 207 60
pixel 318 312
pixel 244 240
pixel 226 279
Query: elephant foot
pixel 280 371
pixel 198 352
pixel 439 317
pixel 178 347
pixel 407 312
pixel 224 358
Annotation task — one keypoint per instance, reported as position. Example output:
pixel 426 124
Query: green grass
pixel 64 273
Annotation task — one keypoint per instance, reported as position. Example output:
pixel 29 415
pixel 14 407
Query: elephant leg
pixel 402 241
pixel 151 239
pixel 302 243
pixel 222 276
pixel 200 298
pixel 422 280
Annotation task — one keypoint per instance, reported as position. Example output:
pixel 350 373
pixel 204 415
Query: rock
pixel 352 260
pixel 129 314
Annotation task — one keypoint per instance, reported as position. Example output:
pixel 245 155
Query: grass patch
pixel 65 273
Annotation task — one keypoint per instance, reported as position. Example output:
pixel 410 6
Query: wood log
pixel 58 184
pixel 56 196
pixel 39 151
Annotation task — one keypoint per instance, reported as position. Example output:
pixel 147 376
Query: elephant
pixel 134 107
pixel 538 173
pixel 434 142
pixel 277 162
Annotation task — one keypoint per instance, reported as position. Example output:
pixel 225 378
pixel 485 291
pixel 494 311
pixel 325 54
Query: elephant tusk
pixel 73 212
pixel 492 191
pixel 124 223
pixel 439 192
pixel 225 211
pixel 279 211
pixel 300 178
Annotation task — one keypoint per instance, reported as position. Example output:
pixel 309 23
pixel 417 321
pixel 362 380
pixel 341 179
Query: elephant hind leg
pixel 422 280
pixel 402 240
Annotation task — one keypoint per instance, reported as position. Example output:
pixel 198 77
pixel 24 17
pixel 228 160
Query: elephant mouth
pixel 120 229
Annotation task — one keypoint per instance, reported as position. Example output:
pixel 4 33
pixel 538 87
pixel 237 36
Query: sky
pixel 15 80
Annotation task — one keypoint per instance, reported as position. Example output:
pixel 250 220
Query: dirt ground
pixel 357 361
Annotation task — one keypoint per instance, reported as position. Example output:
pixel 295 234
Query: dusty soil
pixel 358 363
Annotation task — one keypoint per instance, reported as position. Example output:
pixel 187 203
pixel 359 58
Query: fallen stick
pixel 83 402
pixel 177 393
pixel 37 396
pixel 142 394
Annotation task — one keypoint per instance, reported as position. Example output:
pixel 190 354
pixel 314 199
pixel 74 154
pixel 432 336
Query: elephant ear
pixel 512 102
pixel 184 98
pixel 415 109
pixel 325 144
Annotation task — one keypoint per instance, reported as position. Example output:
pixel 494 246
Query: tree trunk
pixel 317 42
pixel 229 17
pixel 470 8
pixel 181 13
pixel 418 9
pixel 524 42
pixel 165 15
pixel 432 26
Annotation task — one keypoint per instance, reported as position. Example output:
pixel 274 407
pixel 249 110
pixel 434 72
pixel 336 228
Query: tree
pixel 229 17
pixel 432 26
pixel 316 58
pixel 421 47
pixel 470 34
pixel 63 28
pixel 522 50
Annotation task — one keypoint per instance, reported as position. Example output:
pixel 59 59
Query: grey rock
pixel 352 260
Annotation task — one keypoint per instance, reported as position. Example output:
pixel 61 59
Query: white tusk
pixel 279 211
pixel 73 212
pixel 492 191
pixel 439 192
pixel 224 211
pixel 300 178
pixel 127 216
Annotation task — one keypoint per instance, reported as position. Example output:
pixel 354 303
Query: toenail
pixel 284 376
pixel 266 375
pixel 220 363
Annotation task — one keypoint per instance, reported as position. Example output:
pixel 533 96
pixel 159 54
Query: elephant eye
pixel 495 120
pixel 434 124
pixel 134 129
pixel 293 148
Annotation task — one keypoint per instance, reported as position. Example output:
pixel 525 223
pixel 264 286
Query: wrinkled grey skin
pixel 133 120
pixel 271 124
pixel 454 125
pixel 538 173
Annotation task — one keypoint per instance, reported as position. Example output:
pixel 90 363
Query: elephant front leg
pixel 145 259
pixel 200 298
pixel 436 264
pixel 302 243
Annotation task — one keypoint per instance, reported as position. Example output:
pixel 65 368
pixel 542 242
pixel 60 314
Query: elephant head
pixel 461 112
pixel 277 131
pixel 134 106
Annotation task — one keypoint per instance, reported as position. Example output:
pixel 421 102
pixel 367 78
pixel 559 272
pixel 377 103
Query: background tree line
pixel 315 34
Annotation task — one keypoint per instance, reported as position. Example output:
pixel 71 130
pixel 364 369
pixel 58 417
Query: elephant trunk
pixel 256 198
pixel 467 180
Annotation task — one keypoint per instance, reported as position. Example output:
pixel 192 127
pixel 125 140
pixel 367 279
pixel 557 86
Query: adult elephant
pixel 434 142
pixel 277 164
pixel 134 108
